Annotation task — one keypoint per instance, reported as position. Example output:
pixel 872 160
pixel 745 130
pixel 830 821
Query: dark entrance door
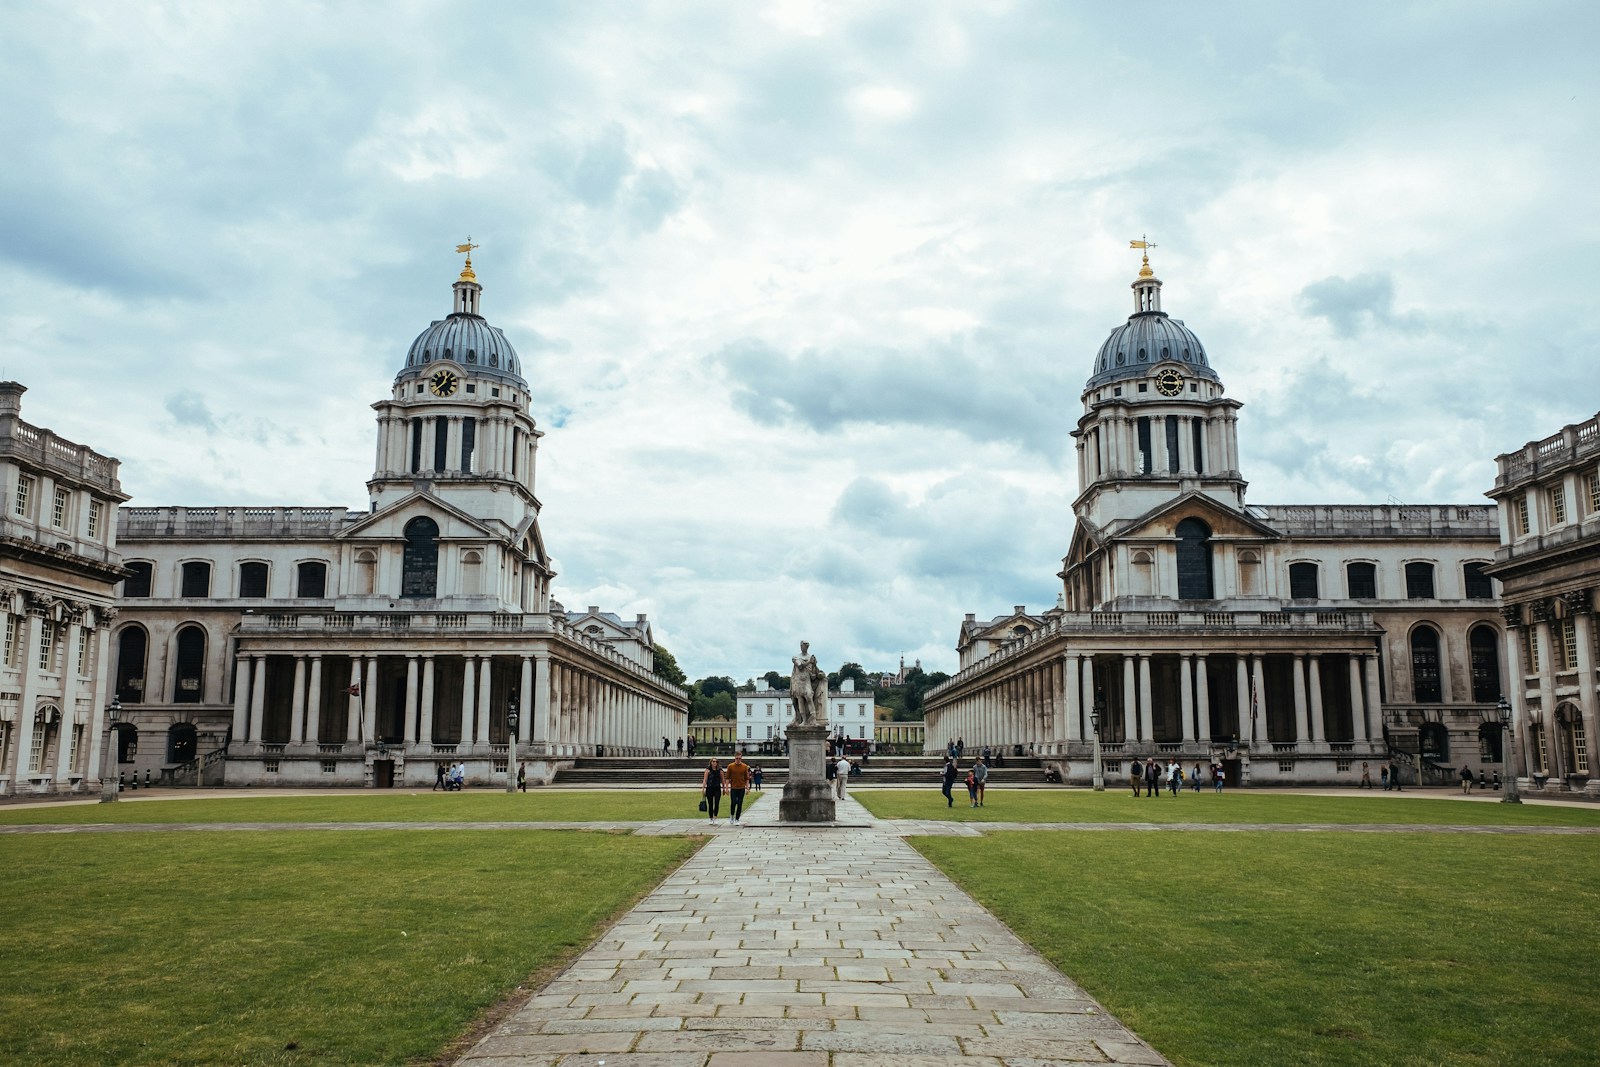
pixel 383 774
pixel 1234 769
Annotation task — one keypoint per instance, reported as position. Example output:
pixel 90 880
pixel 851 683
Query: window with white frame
pixel 1569 645
pixel 11 642
pixel 36 749
pixel 1558 505
pixel 77 746
pixel 47 644
pixel 1530 641
pixel 19 505
pixel 83 651
pixel 1523 523
pixel 58 509
pixel 94 518
pixel 1592 484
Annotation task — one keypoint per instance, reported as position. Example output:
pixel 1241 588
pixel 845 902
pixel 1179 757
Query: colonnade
pixel 1207 444
pixel 1046 706
pixel 1540 660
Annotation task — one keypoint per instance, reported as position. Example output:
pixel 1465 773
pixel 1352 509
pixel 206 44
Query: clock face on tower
pixel 443 383
pixel 1169 382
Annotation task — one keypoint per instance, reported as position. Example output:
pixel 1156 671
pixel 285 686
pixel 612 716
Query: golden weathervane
pixel 1144 245
pixel 466 271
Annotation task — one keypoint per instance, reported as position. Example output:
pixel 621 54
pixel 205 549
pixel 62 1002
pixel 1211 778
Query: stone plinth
pixel 807 795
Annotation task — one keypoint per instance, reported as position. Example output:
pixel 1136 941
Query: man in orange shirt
pixel 738 782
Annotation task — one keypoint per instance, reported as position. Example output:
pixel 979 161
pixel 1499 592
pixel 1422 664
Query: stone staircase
pixel 880 772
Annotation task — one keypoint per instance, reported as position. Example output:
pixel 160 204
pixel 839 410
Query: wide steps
pixel 907 772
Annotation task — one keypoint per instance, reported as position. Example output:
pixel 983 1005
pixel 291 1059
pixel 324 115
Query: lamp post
pixel 1094 724
pixel 512 718
pixel 1508 742
pixel 108 776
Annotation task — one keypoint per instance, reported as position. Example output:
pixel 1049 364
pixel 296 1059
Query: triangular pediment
pixel 1225 522
pixel 389 523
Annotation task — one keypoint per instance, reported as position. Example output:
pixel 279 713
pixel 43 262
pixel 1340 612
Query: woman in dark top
pixel 711 786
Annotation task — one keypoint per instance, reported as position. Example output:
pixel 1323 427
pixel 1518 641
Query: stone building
pixel 58 575
pixel 1293 644
pixel 763 714
pixel 316 645
pixel 1548 564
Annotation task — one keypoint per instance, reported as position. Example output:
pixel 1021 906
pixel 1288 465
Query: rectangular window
pixel 77 746
pixel 1478 584
pixel 441 441
pixel 1569 645
pixel 94 518
pixel 1530 635
pixel 83 652
pixel 11 643
pixel 416 442
pixel 1144 445
pixel 252 580
pixel 469 440
pixel 19 506
pixel 1558 505
pixel 1363 581
pixel 330 766
pixel 1580 745
pixel 196 580
pixel 1592 484
pixel 1172 444
pixel 47 645
pixel 1523 525
pixel 1286 766
pixel 137 583
pixel 58 509
pixel 1540 748
pixel 270 766
pixel 1199 445
pixel 1419 581
pixel 36 748
pixel 1302 581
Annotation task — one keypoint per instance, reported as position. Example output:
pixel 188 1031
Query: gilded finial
pixel 1144 244
pixel 466 270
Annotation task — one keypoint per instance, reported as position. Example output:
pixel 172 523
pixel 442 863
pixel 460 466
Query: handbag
pixel 702 803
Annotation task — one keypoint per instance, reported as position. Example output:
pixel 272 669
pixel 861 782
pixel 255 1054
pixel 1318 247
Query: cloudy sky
pixel 806 291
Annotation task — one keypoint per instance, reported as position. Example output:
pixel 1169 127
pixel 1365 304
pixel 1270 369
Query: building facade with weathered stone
pixel 1548 564
pixel 1291 644
pixel 320 646
pixel 58 574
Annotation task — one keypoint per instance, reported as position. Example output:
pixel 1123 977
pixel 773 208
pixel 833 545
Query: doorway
pixel 383 774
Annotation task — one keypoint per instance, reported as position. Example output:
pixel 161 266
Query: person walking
pixel 1394 778
pixel 666 747
pixel 738 782
pixel 1218 776
pixel 680 746
pixel 1136 775
pixel 711 788
pixel 980 779
pixel 972 789
pixel 841 775
pixel 691 747
pixel 1174 777
pixel 1366 775
pixel 1194 779
pixel 947 779
pixel 1383 772
pixel 961 747
pixel 522 777
pixel 1466 779
pixel 1152 777
pixel 439 781
pixel 755 777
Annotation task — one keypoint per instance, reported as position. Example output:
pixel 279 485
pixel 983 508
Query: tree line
pixel 714 696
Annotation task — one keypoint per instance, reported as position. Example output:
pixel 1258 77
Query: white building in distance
pixel 763 715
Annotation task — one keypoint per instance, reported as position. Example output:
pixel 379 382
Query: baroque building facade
pixel 320 646
pixel 58 575
pixel 1290 644
pixel 1548 564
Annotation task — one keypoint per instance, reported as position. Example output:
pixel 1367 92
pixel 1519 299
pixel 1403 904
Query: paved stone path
pixel 809 947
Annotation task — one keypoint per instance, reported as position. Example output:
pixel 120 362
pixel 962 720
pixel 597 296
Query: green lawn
pixel 1086 806
pixel 1245 948
pixel 328 947
pixel 392 806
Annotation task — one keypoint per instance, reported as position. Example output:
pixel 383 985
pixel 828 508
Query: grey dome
pixel 469 340
pixel 1148 338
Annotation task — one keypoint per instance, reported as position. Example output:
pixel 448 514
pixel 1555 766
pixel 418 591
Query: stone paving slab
pixel 781 946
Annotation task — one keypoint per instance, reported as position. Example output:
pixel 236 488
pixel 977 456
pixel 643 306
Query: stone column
pixel 258 699
pixel 525 700
pixel 1071 695
pixel 469 691
pixel 1319 730
pixel 314 703
pixel 353 701
pixel 1202 700
pixel 1543 633
pixel 541 701
pixel 408 716
pixel 1086 698
pixel 1358 709
pixel 1259 673
pixel 1130 700
pixel 425 712
pixel 1147 710
pixel 297 703
pixel 241 696
pixel 1374 699
pixel 1302 717
pixel 1186 691
pixel 369 701
pixel 1242 686
pixel 96 738
pixel 69 706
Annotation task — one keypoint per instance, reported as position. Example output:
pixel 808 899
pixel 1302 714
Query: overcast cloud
pixel 806 292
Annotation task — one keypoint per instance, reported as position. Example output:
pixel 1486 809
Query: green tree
pixel 776 680
pixel 717 684
pixel 665 664
pixel 853 671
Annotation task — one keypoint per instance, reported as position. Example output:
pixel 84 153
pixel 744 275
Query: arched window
pixel 137 584
pixel 252 580
pixel 1419 581
pixel 1361 581
pixel 1302 581
pixel 181 742
pixel 196 579
pixel 1479 585
pixel 1485 653
pixel 131 645
pixel 419 575
pixel 311 579
pixel 189 684
pixel 1194 560
pixel 1425 685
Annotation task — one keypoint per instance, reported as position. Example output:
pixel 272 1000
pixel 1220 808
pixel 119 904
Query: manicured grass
pixel 390 806
pixel 328 947
pixel 1083 805
pixel 1246 948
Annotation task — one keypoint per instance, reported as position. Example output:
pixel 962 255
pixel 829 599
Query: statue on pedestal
pixel 808 688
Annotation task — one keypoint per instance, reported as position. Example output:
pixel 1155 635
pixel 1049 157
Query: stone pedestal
pixel 807 795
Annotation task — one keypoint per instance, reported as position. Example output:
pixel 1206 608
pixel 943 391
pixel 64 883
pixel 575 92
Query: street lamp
pixel 108 778
pixel 1508 743
pixel 512 718
pixel 1094 724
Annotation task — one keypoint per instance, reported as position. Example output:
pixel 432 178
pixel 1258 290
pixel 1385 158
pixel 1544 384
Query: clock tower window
pixel 1144 444
pixel 441 441
pixel 469 439
pixel 1172 443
